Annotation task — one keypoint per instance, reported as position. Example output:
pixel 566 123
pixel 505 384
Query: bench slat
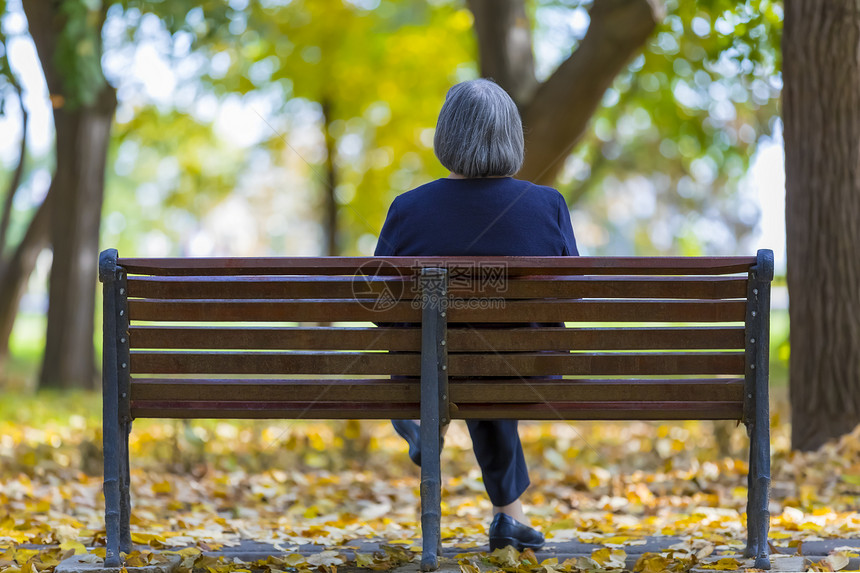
pixel 382 266
pixel 315 410
pixel 604 411
pixel 512 311
pixel 557 338
pixel 249 287
pixel 408 364
pixel 285 338
pixel 340 411
pixel 474 391
pixel 459 340
pixel 596 364
pixel 327 363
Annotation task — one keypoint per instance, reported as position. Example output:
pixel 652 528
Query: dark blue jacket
pixel 474 217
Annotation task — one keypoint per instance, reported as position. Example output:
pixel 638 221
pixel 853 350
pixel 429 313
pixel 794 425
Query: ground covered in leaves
pixel 205 485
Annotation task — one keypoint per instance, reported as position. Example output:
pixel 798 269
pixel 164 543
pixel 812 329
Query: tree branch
pixel 505 46
pixel 15 182
pixel 14 273
pixel 559 113
pixel 43 24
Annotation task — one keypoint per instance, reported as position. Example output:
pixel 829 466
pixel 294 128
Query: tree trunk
pixel 330 183
pixel 83 135
pixel 821 111
pixel 505 46
pixel 74 217
pixel 16 271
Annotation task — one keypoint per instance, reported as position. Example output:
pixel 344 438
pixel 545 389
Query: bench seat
pixel 666 338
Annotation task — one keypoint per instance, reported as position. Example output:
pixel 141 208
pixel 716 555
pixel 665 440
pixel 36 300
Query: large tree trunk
pixel 83 135
pixel 821 110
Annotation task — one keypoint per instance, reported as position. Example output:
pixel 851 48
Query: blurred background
pixel 287 127
pixel 267 127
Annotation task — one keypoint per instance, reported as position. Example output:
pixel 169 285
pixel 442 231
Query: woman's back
pixel 480 216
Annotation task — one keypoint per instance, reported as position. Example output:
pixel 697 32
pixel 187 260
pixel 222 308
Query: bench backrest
pixel 648 338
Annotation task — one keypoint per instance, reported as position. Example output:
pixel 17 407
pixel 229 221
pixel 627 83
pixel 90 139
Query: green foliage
pixel 662 162
pixel 161 180
pixel 677 130
pixel 370 67
pixel 78 52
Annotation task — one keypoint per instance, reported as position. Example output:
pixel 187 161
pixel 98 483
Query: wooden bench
pixel 657 339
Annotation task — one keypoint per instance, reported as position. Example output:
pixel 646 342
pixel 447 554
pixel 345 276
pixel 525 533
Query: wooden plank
pixel 602 411
pixel 272 410
pixel 599 390
pixel 481 310
pixel 265 338
pixel 276 390
pixel 258 363
pixel 598 311
pixel 336 410
pixel 459 339
pixel 557 338
pixel 462 391
pixel 316 287
pixel 274 338
pixel 465 365
pixel 265 287
pixel 646 287
pixel 597 364
pixel 270 311
pixel 403 266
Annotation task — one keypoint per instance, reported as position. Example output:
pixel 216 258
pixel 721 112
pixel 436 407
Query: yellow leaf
pixel 150 539
pixel 609 558
pixel 724 564
pixel 837 561
pixel 77 546
pixel 161 487
pixel 363 560
pixel 528 557
pixel 705 551
pixel 651 563
pixel 294 559
pixel 506 557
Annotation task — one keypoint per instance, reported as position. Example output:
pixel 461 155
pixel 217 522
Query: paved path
pixel 249 550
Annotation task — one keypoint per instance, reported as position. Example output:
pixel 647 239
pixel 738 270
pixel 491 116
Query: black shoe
pixel 505 530
pixel 411 432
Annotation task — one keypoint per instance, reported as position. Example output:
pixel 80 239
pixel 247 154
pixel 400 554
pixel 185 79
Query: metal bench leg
pixel 110 409
pixel 431 492
pixel 111 485
pixel 760 447
pixel 752 541
pixel 125 497
pixel 760 279
pixel 434 411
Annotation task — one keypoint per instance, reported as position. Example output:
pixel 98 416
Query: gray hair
pixel 479 132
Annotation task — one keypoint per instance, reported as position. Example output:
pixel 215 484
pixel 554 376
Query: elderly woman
pixel 479 209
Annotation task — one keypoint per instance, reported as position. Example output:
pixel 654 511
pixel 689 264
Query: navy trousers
pixel 500 456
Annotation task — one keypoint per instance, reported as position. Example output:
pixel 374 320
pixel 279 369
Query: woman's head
pixel 479 132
